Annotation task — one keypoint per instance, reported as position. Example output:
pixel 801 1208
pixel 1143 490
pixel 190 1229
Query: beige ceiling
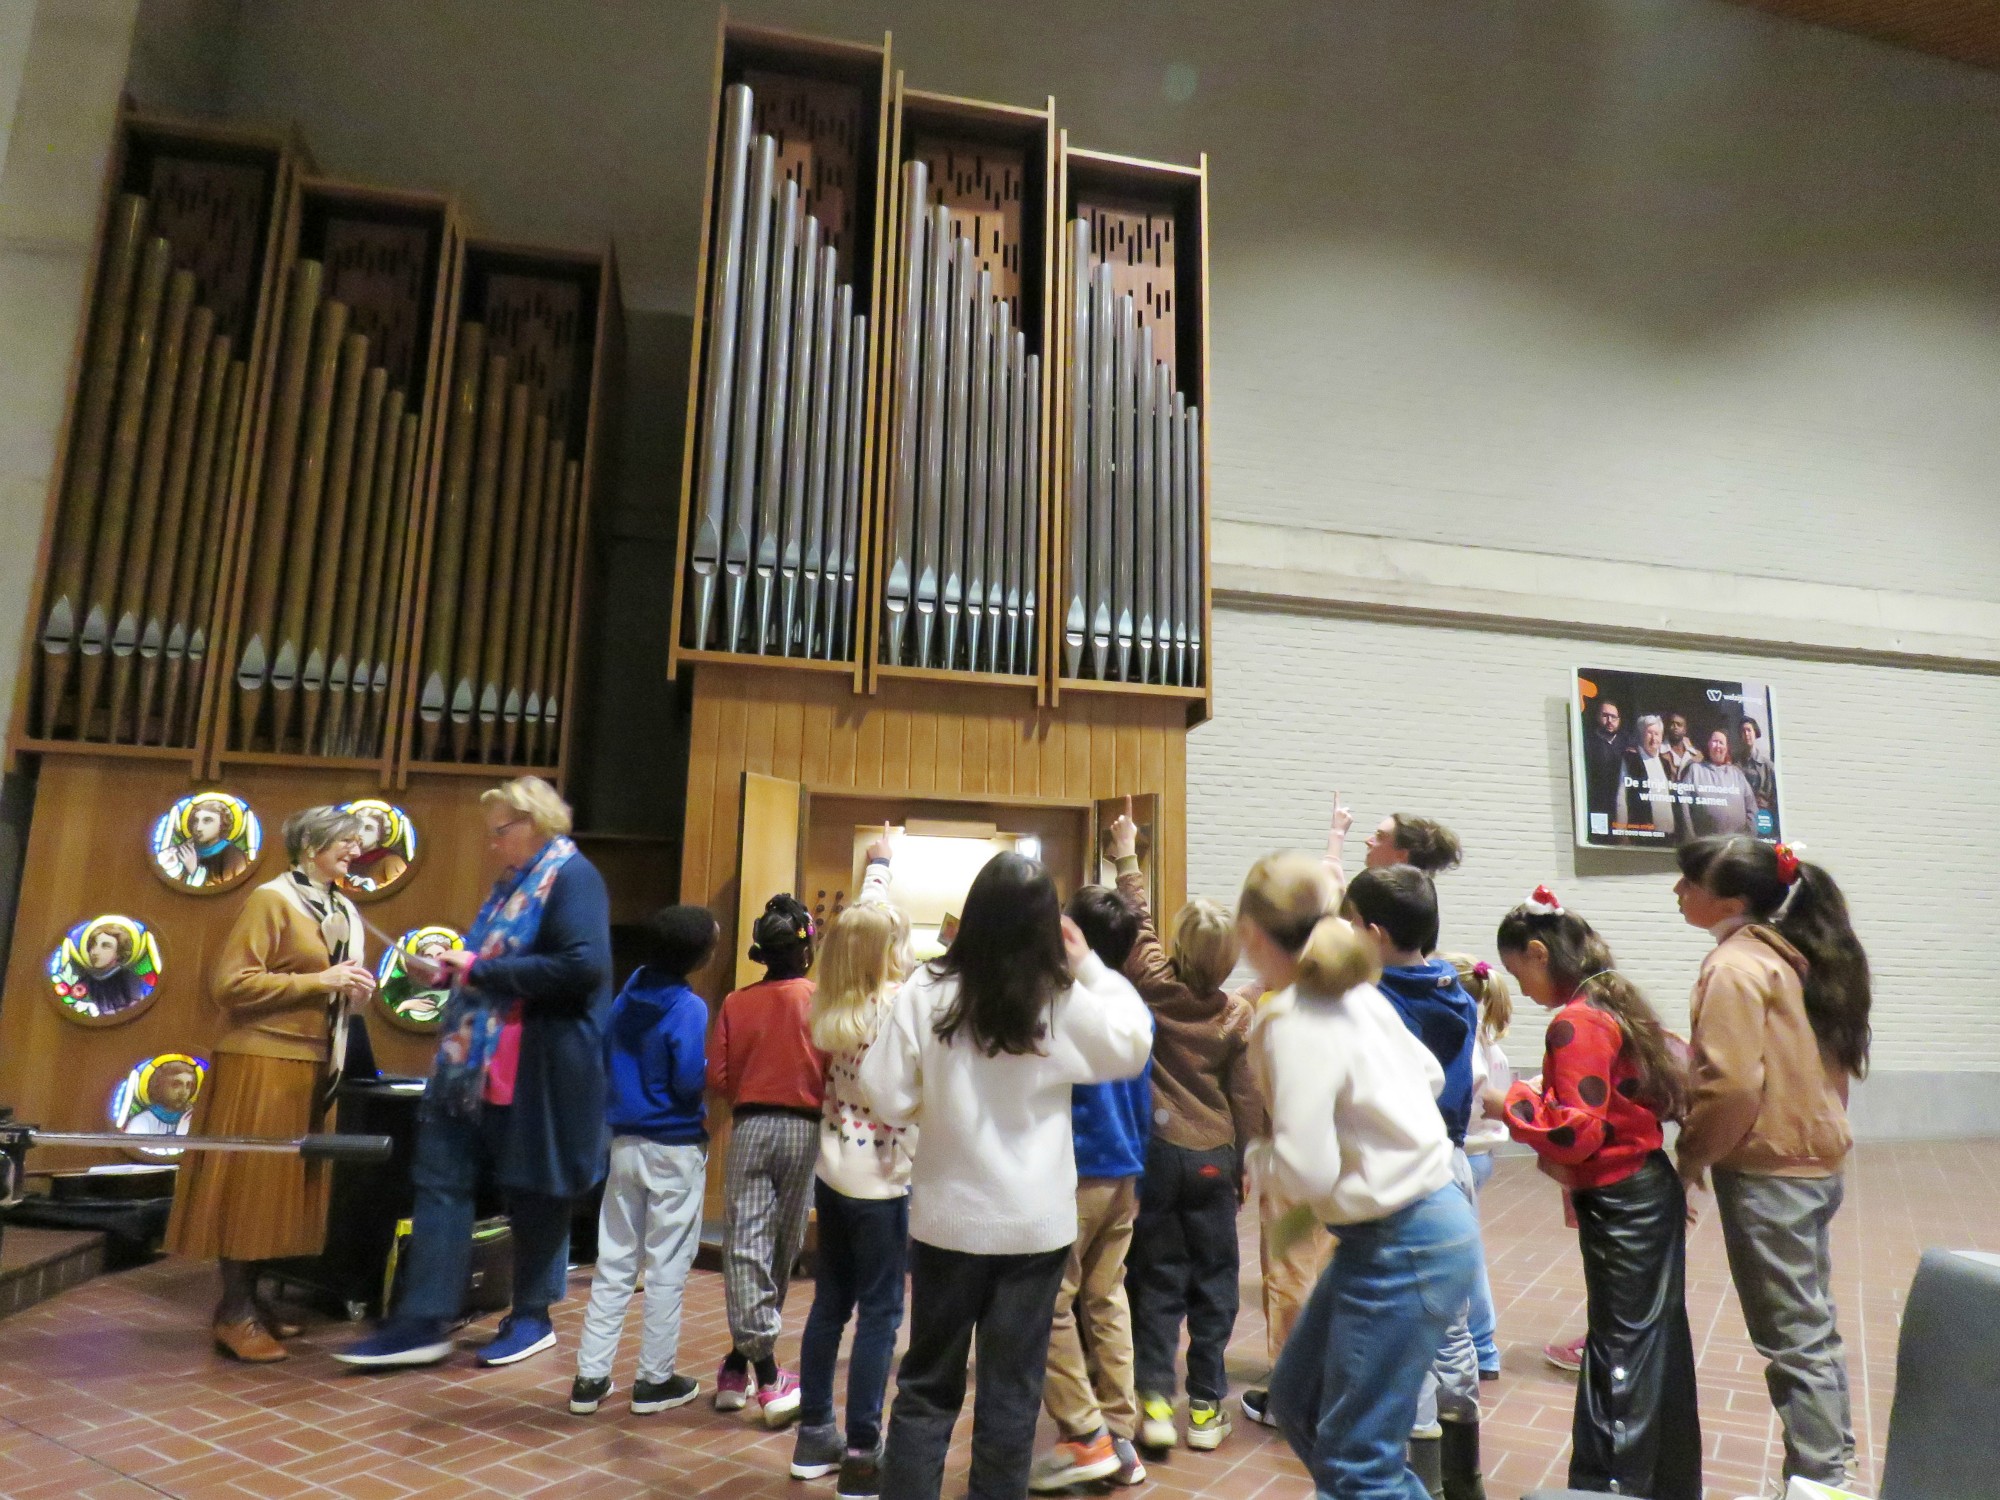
pixel 1965 30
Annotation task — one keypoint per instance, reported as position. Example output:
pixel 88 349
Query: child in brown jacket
pixel 1206 1109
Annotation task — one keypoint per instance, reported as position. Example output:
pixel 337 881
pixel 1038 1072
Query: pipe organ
pixel 1011 484
pixel 948 398
pixel 268 528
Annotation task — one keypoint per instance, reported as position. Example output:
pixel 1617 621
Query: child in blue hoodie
pixel 1396 907
pixel 655 1063
pixel 1094 1402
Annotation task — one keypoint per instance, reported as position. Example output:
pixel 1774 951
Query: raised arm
pixel 1100 1029
pixel 875 879
pixel 1147 966
pixel 1336 844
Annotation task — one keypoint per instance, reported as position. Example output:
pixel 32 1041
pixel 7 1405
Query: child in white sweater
pixel 861 1194
pixel 980 1049
pixel 1357 1141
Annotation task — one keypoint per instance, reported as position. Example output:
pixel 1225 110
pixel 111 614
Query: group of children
pixel 1047 1133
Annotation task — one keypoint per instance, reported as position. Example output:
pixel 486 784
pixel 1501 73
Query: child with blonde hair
pixel 861 1193
pixel 1357 1141
pixel 1490 1070
pixel 1183 1261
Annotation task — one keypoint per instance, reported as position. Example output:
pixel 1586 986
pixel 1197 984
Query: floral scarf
pixel 469 1032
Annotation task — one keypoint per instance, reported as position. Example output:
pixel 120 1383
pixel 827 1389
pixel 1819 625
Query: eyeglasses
pixel 494 835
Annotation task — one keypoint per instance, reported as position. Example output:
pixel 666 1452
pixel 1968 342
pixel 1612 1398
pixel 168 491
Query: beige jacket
pixel 1762 1095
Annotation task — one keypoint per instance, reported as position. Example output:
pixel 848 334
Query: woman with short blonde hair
pixel 518 1087
pixel 532 798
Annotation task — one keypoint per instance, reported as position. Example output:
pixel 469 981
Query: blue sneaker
pixel 518 1338
pixel 399 1343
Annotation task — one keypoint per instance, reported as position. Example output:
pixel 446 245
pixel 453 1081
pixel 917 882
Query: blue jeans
pixel 1345 1389
pixel 452 1153
pixel 863 1245
pixel 1483 1322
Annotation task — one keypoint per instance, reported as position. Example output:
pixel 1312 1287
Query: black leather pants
pixel 1637 1431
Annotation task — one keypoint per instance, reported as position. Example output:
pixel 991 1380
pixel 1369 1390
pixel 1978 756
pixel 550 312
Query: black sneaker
pixel 817 1451
pixel 663 1395
pixel 860 1477
pixel 1257 1407
pixel 586 1395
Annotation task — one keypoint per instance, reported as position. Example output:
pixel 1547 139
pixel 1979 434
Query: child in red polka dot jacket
pixel 1609 1077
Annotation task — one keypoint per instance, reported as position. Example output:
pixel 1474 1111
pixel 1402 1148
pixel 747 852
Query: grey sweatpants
pixel 651 1219
pixel 1451 1387
pixel 1776 1230
pixel 767 1182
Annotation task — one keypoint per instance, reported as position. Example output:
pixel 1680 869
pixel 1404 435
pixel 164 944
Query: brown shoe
pixel 248 1342
pixel 277 1327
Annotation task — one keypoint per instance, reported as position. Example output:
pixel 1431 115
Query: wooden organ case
pixel 284 490
pixel 875 579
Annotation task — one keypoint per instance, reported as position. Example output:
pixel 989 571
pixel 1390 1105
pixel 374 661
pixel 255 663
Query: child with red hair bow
pixel 1609 1077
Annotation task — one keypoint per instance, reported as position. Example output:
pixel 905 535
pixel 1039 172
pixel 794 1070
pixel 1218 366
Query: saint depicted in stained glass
pixel 105 969
pixel 207 842
pixel 408 994
pixel 388 848
pixel 158 1096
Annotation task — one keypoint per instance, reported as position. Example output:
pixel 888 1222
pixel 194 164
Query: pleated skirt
pixel 252 1205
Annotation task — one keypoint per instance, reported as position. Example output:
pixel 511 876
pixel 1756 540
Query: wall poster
pixel 1657 761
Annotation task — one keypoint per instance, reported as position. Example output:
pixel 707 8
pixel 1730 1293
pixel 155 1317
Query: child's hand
pixel 1124 834
pixel 1343 819
pixel 1074 946
pixel 881 848
pixel 1494 1102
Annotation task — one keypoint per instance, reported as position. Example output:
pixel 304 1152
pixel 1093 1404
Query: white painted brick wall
pixel 1888 776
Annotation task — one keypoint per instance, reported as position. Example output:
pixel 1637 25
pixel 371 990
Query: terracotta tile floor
pixel 109 1391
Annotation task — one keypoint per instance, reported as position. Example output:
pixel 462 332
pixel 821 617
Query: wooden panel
pixel 216 213
pixel 768 843
pixel 981 182
pixel 1137 239
pixel 88 853
pixel 1094 746
pixel 818 124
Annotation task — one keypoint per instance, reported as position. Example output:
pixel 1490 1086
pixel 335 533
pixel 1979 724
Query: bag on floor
pixel 489 1280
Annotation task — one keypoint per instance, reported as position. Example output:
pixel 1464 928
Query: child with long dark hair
pixel 1780 1026
pixel 1609 1077
pixel 981 1048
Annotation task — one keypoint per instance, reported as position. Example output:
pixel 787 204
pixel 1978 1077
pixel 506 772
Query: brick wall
pixel 1888 777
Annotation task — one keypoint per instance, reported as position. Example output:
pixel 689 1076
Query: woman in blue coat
pixel 517 1089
